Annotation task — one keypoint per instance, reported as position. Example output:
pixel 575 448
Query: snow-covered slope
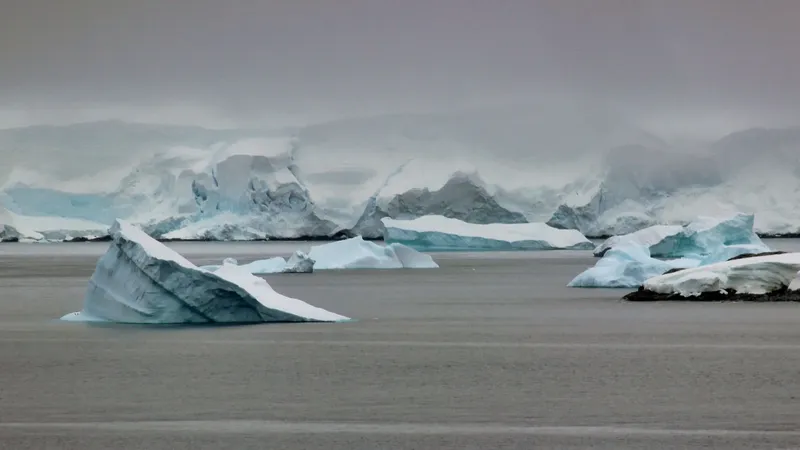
pixel 341 178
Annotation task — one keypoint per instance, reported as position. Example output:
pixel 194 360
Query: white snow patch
pixel 757 275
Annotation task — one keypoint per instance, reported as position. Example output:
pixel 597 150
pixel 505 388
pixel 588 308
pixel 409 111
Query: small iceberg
pixel 299 262
pixel 140 280
pixel 701 238
pixel 356 253
pixel 439 233
pixel 771 277
pixel 627 267
pixel 353 253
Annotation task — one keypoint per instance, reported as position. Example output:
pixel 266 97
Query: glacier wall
pixel 341 178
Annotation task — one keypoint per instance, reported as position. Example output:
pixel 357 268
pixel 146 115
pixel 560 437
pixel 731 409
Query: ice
pixel 757 275
pixel 701 238
pixel 439 233
pixel 299 262
pixel 629 260
pixel 268 266
pixel 596 174
pixel 356 253
pixel 353 253
pixel 627 266
pixel 140 280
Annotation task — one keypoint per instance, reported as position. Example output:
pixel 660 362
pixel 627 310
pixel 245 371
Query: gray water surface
pixel 489 351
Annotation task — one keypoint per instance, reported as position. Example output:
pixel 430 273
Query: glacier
pixel 439 233
pixel 141 281
pixel 597 175
pixel 760 278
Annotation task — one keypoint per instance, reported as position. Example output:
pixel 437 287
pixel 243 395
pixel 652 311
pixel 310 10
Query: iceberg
pixel 299 262
pixel 762 278
pixel 439 233
pixel 353 253
pixel 627 266
pixel 141 281
pixel 356 253
pixel 700 238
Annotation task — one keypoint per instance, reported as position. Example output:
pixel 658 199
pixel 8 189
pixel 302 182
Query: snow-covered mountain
pixel 341 178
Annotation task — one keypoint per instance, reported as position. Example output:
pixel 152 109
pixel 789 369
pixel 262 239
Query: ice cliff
pixel 339 179
pixel 139 280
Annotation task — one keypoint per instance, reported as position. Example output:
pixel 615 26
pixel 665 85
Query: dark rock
pixel 780 295
pixel 753 255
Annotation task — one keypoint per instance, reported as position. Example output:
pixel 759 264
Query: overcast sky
pixel 716 63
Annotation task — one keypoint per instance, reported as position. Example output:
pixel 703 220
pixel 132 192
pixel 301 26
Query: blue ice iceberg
pixel 439 233
pixel 140 280
pixel 629 260
pixel 703 237
pixel 627 266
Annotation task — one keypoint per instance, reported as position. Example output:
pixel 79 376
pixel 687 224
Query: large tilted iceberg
pixel 438 233
pixel 761 278
pixel 701 237
pixel 140 280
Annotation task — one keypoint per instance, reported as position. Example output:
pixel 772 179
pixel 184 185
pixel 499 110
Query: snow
pixel 140 280
pixel 702 237
pixel 627 266
pixel 439 233
pixel 590 172
pixel 757 275
pixel 356 253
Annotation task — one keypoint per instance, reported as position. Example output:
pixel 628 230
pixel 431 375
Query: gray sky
pixel 675 63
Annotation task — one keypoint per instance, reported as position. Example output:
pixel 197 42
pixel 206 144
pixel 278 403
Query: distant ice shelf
pixel 600 176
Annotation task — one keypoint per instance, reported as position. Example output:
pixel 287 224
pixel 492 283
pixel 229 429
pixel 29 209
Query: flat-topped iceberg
pixel 702 237
pixel 771 277
pixel 439 233
pixel 139 280
pixel 627 267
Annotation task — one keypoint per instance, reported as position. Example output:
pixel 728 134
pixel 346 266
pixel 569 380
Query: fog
pixel 680 67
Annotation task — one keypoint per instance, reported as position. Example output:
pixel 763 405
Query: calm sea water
pixel 489 351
